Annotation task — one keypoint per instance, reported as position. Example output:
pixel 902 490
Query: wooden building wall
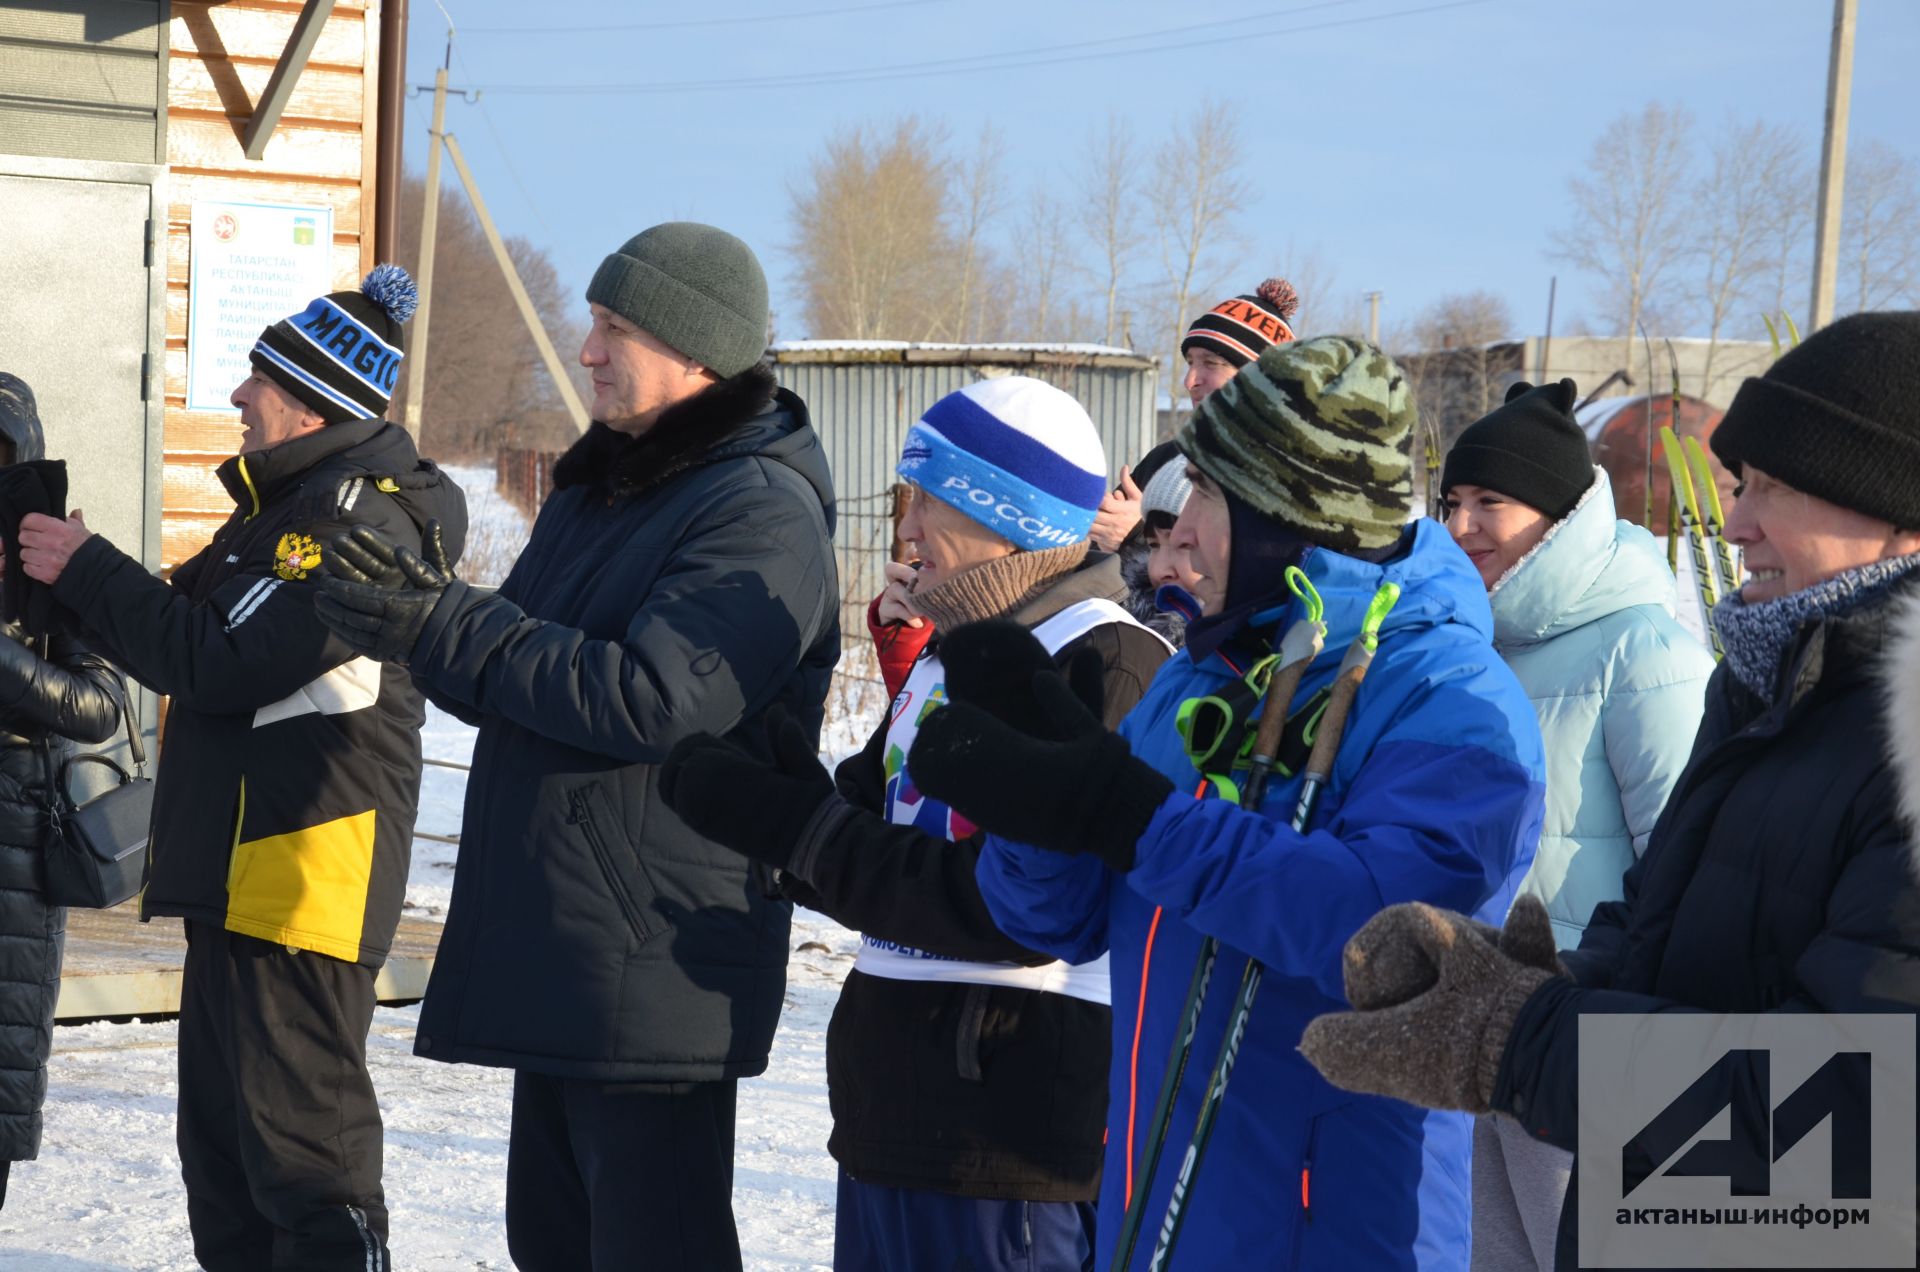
pixel 322 152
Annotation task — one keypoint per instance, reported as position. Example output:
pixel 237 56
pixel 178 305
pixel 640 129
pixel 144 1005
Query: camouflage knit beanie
pixel 1313 435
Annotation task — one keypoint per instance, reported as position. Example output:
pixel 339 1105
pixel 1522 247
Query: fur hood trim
pixel 680 439
pixel 1902 671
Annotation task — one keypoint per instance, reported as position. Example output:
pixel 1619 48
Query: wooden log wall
pixel 322 152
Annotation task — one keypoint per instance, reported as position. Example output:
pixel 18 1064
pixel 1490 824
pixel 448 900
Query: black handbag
pixel 96 854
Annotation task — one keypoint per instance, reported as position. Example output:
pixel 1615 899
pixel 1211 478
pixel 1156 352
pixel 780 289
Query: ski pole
pixel 1298 648
pixel 1726 576
pixel 1689 508
pixel 1326 745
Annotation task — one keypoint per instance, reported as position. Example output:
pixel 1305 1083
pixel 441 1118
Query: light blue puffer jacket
pixel 1586 622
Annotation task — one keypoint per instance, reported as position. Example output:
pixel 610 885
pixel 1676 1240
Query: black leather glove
pixel 1073 787
pixel 756 807
pixel 378 593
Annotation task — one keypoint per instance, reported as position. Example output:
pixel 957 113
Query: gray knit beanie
pixel 696 289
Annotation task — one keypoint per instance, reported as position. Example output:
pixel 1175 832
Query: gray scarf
pixel 1757 637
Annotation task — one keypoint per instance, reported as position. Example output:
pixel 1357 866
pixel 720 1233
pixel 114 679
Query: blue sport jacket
pixel 1436 796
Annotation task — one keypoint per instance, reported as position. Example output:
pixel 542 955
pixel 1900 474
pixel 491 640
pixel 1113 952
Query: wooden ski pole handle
pixel 1273 720
pixel 1326 738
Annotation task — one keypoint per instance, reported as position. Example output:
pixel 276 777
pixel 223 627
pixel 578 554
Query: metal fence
pixel 863 396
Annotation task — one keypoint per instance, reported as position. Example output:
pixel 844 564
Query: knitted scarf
pixel 1757 637
pixel 997 587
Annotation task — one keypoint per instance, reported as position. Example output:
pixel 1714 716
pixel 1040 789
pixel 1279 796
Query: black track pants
pixel 279 1133
pixel 621 1176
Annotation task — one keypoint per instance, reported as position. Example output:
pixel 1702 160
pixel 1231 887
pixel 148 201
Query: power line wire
pixel 506 156
pixel 969 59
pixel 691 23
pixel 1012 60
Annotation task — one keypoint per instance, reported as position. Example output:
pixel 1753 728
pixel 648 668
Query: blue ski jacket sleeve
pixel 1437 807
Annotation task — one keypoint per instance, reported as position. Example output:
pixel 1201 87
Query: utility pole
pixel 528 314
pixel 429 226
pixel 1833 164
pixel 1373 318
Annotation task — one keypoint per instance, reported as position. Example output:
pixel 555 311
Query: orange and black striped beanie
pixel 1240 329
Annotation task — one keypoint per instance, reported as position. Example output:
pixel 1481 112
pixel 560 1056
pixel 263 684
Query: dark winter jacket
pixel 980 1090
pixel 290 773
pixel 1779 878
pixel 46 704
pixel 677 583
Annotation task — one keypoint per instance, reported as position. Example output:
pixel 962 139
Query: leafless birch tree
pixel 1195 194
pixel 1109 213
pixel 1630 210
pixel 1880 228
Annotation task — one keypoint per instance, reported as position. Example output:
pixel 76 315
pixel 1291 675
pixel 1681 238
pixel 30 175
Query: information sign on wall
pixel 252 265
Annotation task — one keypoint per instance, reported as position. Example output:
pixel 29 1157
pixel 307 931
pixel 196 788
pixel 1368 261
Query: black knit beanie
pixel 1838 417
pixel 1240 329
pixel 1527 448
pixel 341 354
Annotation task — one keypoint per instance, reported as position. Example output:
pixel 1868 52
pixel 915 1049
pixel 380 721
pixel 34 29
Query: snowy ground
pixel 106 1193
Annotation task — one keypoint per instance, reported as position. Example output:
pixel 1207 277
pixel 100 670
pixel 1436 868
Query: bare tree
pixel 871 234
pixel 1789 200
pixel 1039 247
pixel 1452 365
pixel 1195 192
pixel 486 386
pixel 1880 227
pixel 1732 218
pixel 1110 212
pixel 1629 209
pixel 1325 309
pixel 981 190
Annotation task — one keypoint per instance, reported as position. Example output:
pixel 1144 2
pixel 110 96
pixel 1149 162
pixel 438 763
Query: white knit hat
pixel 1167 489
pixel 1014 453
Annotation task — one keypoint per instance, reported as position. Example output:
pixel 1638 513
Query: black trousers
pixel 279 1132
pixel 621 1176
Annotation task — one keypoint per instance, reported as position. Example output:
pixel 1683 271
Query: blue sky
pixel 1419 153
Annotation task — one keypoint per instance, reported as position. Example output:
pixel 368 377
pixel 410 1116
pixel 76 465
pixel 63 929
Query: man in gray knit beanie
pixel 680 580
pixel 678 307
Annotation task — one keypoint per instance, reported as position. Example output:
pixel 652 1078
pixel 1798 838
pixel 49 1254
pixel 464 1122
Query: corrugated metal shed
pixel 864 395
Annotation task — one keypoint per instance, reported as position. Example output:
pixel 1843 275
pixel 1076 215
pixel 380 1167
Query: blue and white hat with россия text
pixel 1014 453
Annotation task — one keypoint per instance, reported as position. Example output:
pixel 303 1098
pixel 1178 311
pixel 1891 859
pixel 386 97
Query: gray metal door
pixel 75 324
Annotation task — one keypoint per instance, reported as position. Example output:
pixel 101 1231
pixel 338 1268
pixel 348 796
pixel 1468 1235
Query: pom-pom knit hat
pixel 340 356
pixel 1014 453
pixel 1240 329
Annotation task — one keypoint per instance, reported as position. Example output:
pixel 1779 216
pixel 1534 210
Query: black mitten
pixel 755 807
pixel 1084 794
pixel 996 665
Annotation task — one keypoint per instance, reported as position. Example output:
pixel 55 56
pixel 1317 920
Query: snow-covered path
pixel 106 1192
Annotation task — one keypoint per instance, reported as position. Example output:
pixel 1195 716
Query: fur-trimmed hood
pixel 1134 559
pixel 1902 671
pixel 685 435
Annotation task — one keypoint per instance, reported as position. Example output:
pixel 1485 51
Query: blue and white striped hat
pixel 1014 453
pixel 341 354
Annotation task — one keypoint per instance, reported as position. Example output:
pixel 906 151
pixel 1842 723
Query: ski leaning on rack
pixel 1682 498
pixel 1726 577
pixel 1319 769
